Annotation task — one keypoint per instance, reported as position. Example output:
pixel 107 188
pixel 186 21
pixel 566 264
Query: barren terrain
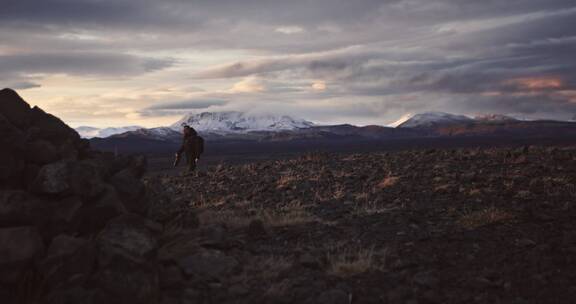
pixel 490 225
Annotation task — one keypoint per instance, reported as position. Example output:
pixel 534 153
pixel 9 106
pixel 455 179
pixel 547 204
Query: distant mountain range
pixel 239 122
pixel 245 127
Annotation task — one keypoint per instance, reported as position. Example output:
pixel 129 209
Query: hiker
pixel 192 147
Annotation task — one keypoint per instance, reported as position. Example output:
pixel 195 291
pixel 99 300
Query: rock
pixel 20 208
pixel 256 229
pixel 178 248
pixel 96 215
pixel 12 168
pixel 425 279
pixel 41 152
pixel 398 294
pixel 19 247
pixel 208 265
pixel 171 276
pixel 79 294
pixel 11 137
pixel 138 165
pixel 69 151
pixel 85 180
pixel 129 282
pixel 66 211
pixel 68 257
pixel 130 189
pixel 80 178
pixel 14 108
pixel 334 296
pixel 19 244
pixel 52 179
pixel 48 127
pixel 238 290
pixel 129 236
pixel 309 261
pixel 525 243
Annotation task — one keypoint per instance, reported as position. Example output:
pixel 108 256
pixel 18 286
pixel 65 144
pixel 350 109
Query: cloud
pixel 289 30
pixel 23 85
pixel 319 85
pixel 81 63
pixel 194 104
pixel 365 59
pixel 249 85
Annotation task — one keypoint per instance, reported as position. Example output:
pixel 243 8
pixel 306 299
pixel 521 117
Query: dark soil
pixel 490 225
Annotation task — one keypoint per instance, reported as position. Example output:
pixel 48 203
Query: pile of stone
pixel 74 224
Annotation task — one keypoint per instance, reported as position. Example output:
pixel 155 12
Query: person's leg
pixel 191 162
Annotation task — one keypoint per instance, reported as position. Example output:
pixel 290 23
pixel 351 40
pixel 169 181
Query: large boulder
pixel 126 259
pixel 85 180
pixel 11 137
pixel 11 140
pixel 80 178
pixel 52 179
pixel 98 213
pixel 208 264
pixel 79 294
pixel 131 190
pixel 19 248
pixel 41 152
pixel 129 282
pixel 130 236
pixel 14 108
pixel 49 127
pixel 19 208
pixel 68 258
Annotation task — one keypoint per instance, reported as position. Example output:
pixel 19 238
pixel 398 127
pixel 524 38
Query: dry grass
pixel 371 207
pixel 474 192
pixel 287 179
pixel 351 261
pixel 488 216
pixel 339 192
pixel 230 218
pixel 387 182
pixel 291 214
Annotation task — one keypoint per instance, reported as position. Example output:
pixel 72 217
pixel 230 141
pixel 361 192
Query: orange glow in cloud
pixel 537 83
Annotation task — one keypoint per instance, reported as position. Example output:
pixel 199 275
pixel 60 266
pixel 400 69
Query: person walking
pixel 192 147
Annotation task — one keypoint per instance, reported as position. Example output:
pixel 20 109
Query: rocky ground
pixel 434 226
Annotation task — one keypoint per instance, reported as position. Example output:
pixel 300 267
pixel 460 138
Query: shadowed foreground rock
pixel 73 226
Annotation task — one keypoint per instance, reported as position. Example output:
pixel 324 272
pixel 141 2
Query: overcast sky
pixel 128 62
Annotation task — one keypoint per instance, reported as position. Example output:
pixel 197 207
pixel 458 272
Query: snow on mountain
pixel 90 132
pixel 430 119
pixel 161 133
pixel 87 132
pixel 495 118
pixel 239 122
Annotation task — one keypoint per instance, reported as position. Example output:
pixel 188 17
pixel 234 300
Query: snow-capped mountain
pixel 239 122
pixel 90 132
pixel 430 119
